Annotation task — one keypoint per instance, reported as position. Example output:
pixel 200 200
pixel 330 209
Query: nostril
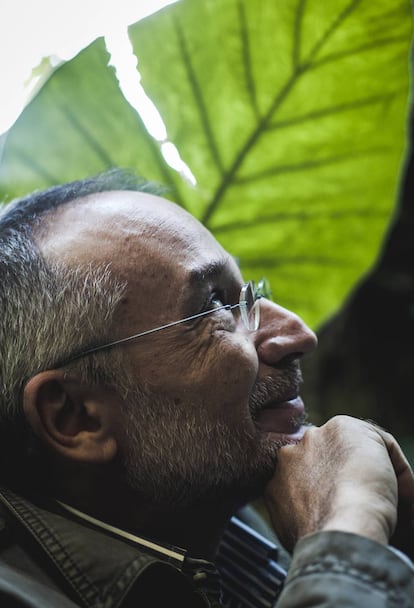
pixel 279 351
pixel 282 336
pixel 286 361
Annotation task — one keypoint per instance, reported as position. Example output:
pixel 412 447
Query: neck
pixel 197 529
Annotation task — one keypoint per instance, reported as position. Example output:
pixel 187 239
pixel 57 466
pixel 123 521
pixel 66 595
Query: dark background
pixel 364 365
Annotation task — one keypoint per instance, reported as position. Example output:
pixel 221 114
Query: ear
pixel 77 421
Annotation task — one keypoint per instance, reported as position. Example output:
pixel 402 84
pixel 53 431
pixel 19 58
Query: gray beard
pixel 177 457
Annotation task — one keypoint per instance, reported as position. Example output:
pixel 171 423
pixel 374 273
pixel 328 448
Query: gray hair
pixel 50 311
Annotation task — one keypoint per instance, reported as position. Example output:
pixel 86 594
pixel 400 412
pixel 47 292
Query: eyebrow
pixel 208 272
pixel 198 280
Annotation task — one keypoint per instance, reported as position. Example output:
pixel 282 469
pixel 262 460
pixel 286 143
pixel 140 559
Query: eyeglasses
pixel 248 303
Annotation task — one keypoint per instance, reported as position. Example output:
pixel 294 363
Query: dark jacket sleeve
pixel 339 569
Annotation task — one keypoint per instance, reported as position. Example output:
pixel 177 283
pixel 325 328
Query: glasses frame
pixel 250 294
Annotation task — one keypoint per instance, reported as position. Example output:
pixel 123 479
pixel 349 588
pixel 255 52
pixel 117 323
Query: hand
pixel 346 475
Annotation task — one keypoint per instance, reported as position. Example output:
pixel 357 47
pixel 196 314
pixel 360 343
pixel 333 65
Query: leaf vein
pixel 36 167
pixel 306 165
pixel 342 16
pixel 246 57
pixel 198 96
pixel 329 110
pixel 282 216
pixel 87 136
pixel 356 50
pixel 228 176
pixel 297 32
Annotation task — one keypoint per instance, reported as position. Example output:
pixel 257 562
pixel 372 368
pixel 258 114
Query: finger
pixel 403 537
pixel 402 468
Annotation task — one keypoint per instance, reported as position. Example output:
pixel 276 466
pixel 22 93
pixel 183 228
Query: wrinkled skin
pixel 209 383
pixel 214 412
pixel 360 474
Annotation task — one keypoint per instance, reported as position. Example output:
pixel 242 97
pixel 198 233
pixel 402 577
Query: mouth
pixel 284 417
pixel 276 406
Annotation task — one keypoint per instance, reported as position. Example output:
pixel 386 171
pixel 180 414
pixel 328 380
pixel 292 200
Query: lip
pixel 283 417
pixel 288 401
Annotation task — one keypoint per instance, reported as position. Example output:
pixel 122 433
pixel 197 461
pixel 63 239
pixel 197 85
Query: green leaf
pixel 291 115
pixel 79 124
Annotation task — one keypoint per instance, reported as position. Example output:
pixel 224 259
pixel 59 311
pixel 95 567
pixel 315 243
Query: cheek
pixel 236 368
pixel 223 375
pixel 233 380
pixel 221 368
pixel 227 359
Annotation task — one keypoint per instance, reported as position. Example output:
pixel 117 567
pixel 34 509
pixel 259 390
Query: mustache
pixel 280 387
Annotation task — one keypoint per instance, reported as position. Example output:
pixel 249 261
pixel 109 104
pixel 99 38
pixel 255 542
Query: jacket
pixel 49 558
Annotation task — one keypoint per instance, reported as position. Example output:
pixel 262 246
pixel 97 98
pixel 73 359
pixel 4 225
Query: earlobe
pixel 75 420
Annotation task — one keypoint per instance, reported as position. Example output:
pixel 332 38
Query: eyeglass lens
pixel 250 302
pixel 249 306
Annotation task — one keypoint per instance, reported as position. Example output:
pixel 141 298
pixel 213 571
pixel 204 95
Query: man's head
pixel 47 309
pixel 191 413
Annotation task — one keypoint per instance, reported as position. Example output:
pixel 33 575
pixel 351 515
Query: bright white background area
pixel 32 30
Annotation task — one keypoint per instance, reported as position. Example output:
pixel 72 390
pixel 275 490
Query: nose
pixel 282 335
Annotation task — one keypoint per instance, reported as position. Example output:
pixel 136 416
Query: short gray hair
pixel 50 311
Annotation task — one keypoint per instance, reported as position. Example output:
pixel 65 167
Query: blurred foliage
pixel 291 116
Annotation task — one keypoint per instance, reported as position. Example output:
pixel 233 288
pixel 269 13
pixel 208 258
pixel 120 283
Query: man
pixel 148 394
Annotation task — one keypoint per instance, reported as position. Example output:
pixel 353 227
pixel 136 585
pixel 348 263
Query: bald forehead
pixel 95 227
pixel 162 255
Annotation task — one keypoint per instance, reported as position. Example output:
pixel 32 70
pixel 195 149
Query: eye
pixel 224 318
pixel 216 300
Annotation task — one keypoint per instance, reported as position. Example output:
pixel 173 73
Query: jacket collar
pixel 170 553
pixel 100 565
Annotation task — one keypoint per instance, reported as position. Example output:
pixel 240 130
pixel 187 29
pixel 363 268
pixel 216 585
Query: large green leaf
pixel 291 115
pixel 79 124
